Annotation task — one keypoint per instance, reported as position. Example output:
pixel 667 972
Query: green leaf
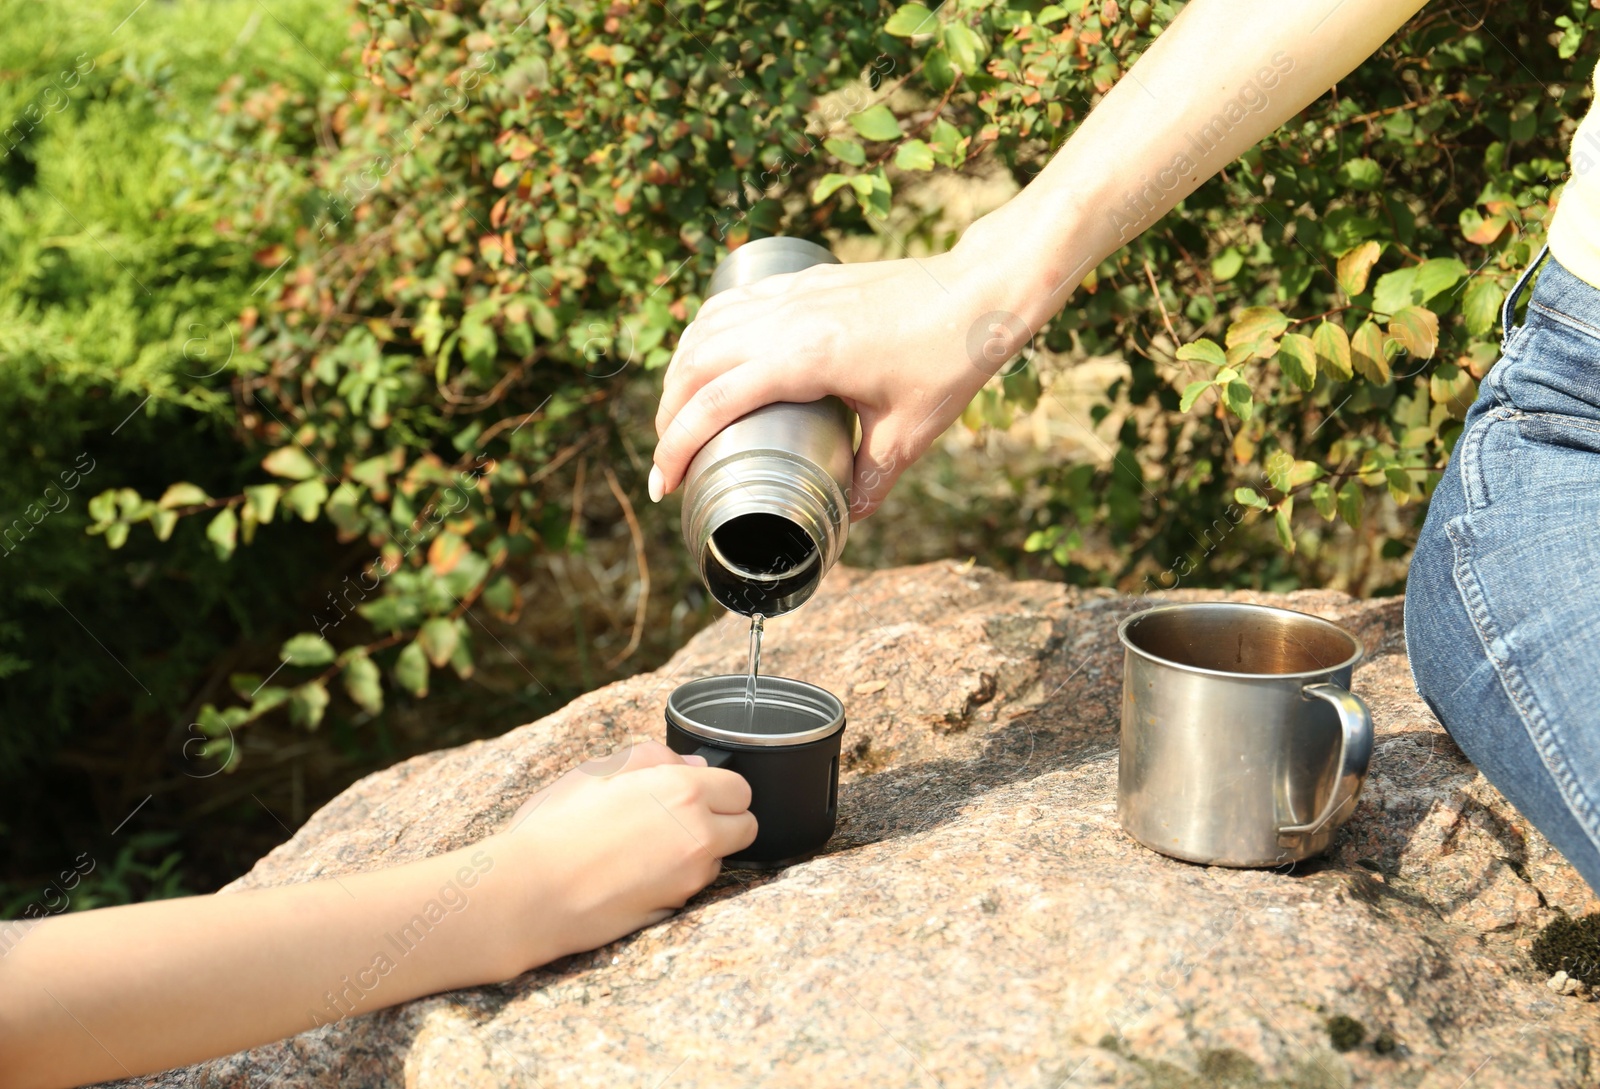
pixel 1249 497
pixel 501 597
pixel 1363 175
pixel 910 20
pixel 163 522
pixel 363 684
pixel 264 698
pixel 1191 393
pixel 1201 351
pixel 307 704
pixel 845 150
pixel 914 155
pixel 1226 265
pixel 1368 354
pixel 291 463
pixel 1344 228
pixel 263 500
pixel 461 660
pixel 1453 388
pixel 1350 504
pixel 829 184
pixel 1297 356
pixel 1281 521
pixel 1416 329
pixel 478 342
pixel 223 532
pixel 1402 485
pixel 1332 344
pixel 964 46
pixel 306 649
pixel 1322 498
pixel 1418 285
pixel 182 495
pixel 877 123
pixel 343 509
pixel 1481 306
pixel 306 498
pixel 117 534
pixel 411 670
pixel 438 640
pixel 103 507
pixel 430 328
pixel 1356 266
pixel 1256 323
pixel 1278 466
pixel 1236 395
pixel 470 570
pixel 1302 473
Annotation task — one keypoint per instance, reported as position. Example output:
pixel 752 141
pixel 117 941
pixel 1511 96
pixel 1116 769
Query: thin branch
pixel 644 570
pixel 1166 319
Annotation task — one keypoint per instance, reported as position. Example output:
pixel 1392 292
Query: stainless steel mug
pixel 1241 742
pixel 788 751
pixel 766 503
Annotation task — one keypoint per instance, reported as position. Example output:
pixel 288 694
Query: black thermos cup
pixel 788 751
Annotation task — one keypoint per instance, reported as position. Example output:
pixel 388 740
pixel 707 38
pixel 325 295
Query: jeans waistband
pixel 1559 290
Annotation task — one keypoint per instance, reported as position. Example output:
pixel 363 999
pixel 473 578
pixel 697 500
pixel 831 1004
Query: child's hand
pixel 620 843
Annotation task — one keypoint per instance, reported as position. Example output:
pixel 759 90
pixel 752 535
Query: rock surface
pixel 980 918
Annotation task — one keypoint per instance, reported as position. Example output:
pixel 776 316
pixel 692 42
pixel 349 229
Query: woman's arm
pixel 908 343
pixel 129 990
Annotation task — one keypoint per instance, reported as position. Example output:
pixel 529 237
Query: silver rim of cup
pixel 689 703
pixel 1127 634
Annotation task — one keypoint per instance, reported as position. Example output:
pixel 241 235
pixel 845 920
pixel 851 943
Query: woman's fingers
pixel 717 403
pixel 711 345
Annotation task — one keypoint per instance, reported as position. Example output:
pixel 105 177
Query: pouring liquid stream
pixel 756 622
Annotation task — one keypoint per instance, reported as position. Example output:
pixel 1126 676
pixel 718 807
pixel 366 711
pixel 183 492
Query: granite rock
pixel 980 918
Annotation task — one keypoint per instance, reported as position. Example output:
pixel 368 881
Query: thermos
pixel 766 503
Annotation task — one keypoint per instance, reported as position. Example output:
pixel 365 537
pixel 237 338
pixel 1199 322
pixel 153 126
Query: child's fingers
pixel 731 833
pixel 634 756
pixel 724 791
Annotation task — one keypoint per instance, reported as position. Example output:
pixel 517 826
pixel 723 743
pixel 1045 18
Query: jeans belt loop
pixel 1507 311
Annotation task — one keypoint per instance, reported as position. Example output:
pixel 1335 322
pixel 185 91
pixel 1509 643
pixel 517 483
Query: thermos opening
pixel 761 563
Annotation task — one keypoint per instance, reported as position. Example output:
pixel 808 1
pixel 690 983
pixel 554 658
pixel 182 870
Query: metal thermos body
pixel 766 503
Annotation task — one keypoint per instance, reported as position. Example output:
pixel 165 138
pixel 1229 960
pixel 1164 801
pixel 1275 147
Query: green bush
pixel 482 249
pixel 116 298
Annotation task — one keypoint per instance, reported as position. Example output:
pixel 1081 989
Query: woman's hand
pixel 904 343
pixel 621 843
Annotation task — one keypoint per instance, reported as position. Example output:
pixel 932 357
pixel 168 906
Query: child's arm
pixel 130 990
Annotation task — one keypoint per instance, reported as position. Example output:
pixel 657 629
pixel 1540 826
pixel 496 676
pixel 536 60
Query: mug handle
pixel 1355 752
pixel 714 758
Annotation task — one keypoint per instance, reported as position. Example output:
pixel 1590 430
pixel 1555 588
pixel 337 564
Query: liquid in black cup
pixel 788 751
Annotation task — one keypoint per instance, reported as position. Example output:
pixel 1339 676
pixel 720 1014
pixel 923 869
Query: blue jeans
pixel 1502 612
